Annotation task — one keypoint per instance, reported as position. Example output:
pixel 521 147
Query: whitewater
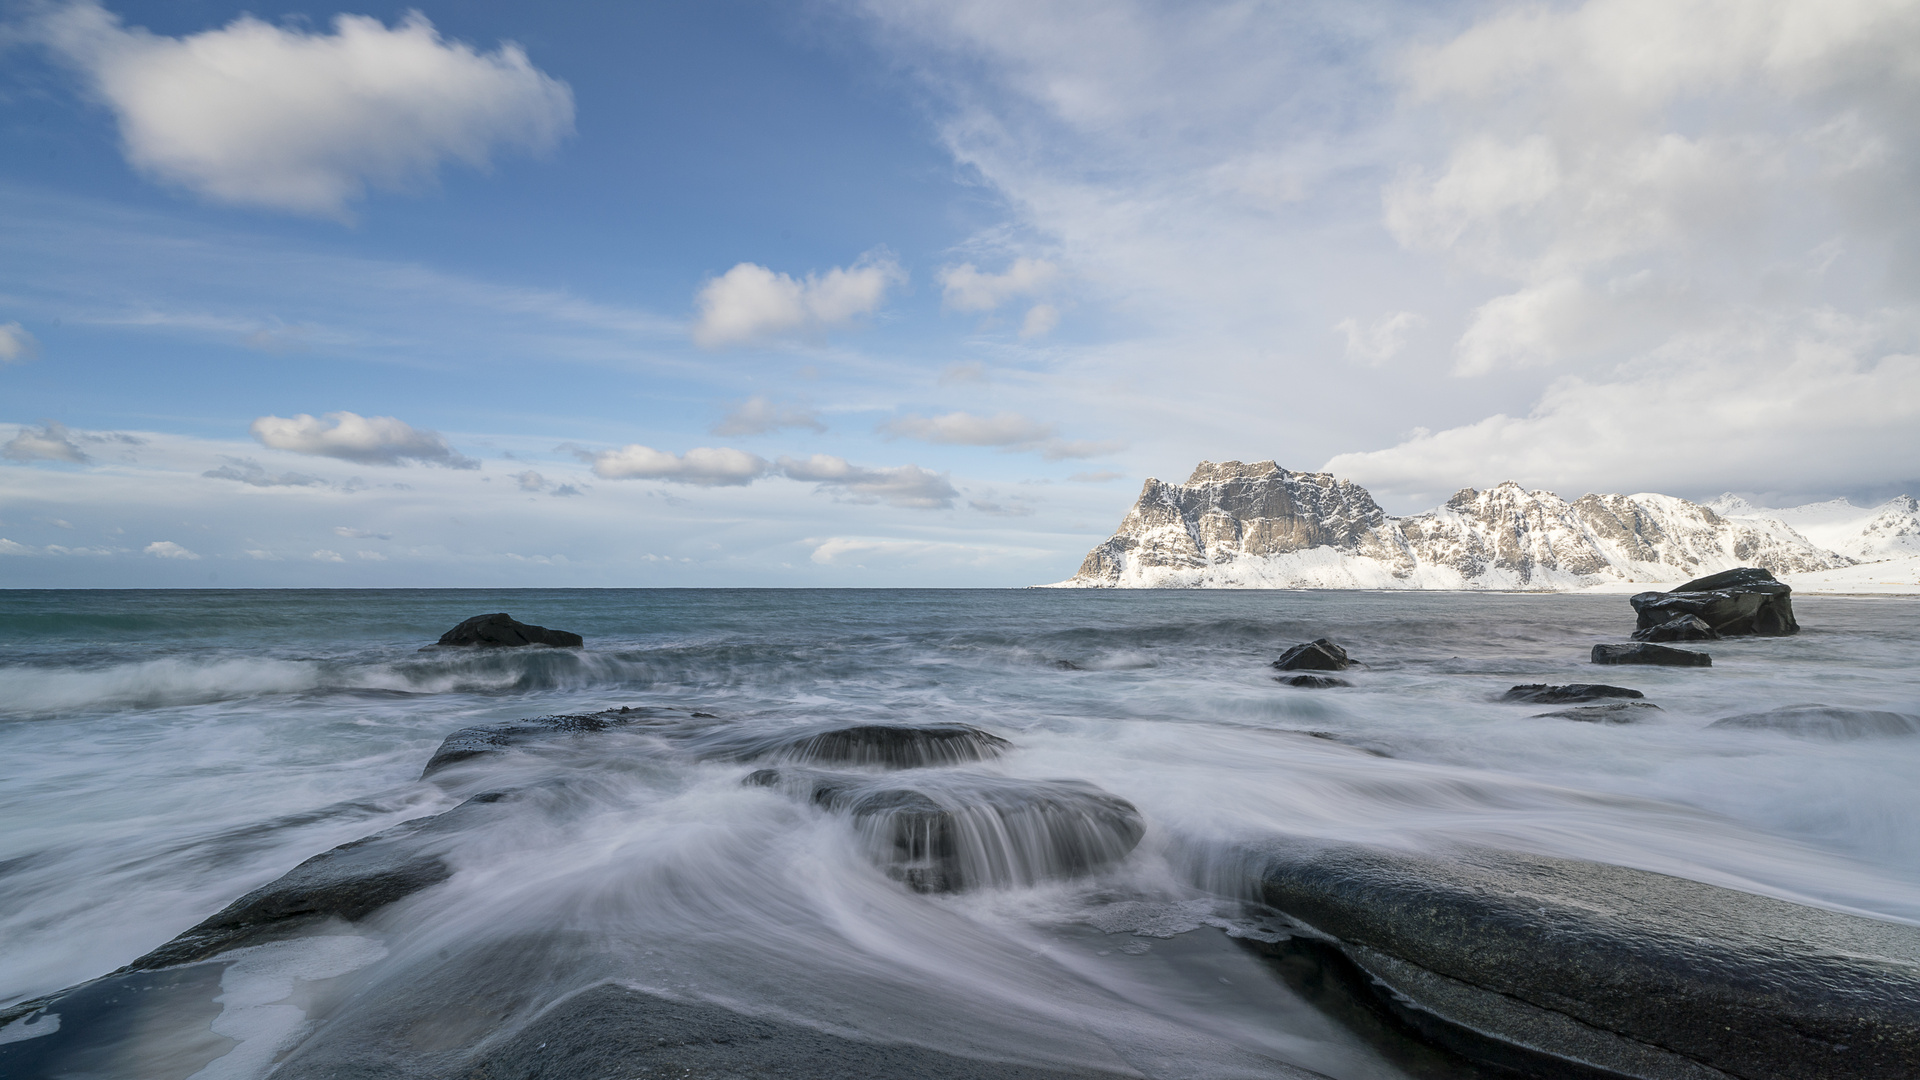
pixel 166 752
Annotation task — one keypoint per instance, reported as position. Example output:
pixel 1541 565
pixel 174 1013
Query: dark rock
pixel 1826 722
pixel 886 746
pixel 1628 972
pixel 503 631
pixel 349 882
pixel 1543 694
pixel 1737 602
pixel 1317 655
pixel 945 832
pixel 1619 712
pixel 495 738
pixel 1683 628
pixel 1650 654
pixel 1312 682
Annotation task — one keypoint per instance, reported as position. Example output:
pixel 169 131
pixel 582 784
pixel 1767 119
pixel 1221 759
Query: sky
pixel 851 293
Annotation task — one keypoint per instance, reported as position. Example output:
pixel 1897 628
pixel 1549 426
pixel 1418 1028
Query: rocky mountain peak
pixel 1214 472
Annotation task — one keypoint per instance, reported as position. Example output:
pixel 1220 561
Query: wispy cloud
pixel 50 442
pixel 759 415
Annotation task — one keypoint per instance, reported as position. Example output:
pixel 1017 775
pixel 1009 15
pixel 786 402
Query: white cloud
pixel 966 429
pixel 852 549
pixel 966 288
pixel 907 486
pixel 167 549
pixel 702 466
pixel 52 442
pixel 251 472
pixel 1099 477
pixel 369 440
pixel 280 117
pixel 1040 321
pixel 324 555
pixel 16 345
pixel 1381 341
pixel 530 481
pixel 759 415
pixel 8 547
pixel 360 534
pixel 751 302
pixel 371 556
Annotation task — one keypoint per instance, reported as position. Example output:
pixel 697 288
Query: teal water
pixel 163 752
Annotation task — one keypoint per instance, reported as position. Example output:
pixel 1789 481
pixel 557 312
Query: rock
pixel 503 631
pixel 946 832
pixel 1628 972
pixel 1312 682
pixel 1543 694
pixel 496 738
pixel 349 882
pixel 1826 722
pixel 1317 655
pixel 1737 602
pixel 885 746
pixel 1650 654
pixel 1683 628
pixel 1619 712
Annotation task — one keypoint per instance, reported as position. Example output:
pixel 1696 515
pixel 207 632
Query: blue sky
pixel 844 293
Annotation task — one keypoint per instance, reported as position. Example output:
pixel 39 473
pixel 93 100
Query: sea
pixel 164 752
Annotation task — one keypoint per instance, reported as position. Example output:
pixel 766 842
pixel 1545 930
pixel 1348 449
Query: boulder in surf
pixel 1567 694
pixel 1317 655
pixel 1645 653
pixel 1680 628
pixel 1743 601
pixel 503 631
pixel 1825 722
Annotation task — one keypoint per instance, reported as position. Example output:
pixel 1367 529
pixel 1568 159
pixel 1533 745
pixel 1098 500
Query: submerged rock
pixel 1619 712
pixel 1567 694
pixel 885 746
pixel 1825 721
pixel 504 631
pixel 1312 682
pixel 1625 971
pixel 1737 602
pixel 1643 653
pixel 1317 655
pixel 945 832
pixel 496 738
pixel 1683 628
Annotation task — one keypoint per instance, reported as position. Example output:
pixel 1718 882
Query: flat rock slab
pixel 947 832
pixel 1669 979
pixel 1317 655
pixel 1825 722
pixel 503 631
pixel 1618 712
pixel 1312 682
pixel 1567 694
pixel 1643 653
pixel 1681 628
pixel 882 746
pixel 488 739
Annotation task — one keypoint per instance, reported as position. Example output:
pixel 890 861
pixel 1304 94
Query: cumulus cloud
pixel 966 288
pixel 291 119
pixel 251 472
pixel 751 302
pixel 759 415
pixel 369 440
pixel 702 466
pixel 908 486
pixel 167 549
pixel 1377 342
pixel 50 442
pixel 16 345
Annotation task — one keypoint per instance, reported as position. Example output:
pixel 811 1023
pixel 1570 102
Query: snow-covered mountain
pixel 1235 525
pixel 1870 534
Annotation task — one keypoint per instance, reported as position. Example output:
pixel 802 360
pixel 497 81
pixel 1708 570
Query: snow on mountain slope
pixel 1865 534
pixel 1235 525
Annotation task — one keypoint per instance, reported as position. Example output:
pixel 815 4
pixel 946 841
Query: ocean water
pixel 162 753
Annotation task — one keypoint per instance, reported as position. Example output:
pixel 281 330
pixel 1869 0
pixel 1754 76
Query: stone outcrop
pixel 1317 655
pixel 1257 525
pixel 882 746
pixel 1312 682
pixel 1825 722
pixel 1627 972
pixel 1680 628
pixel 503 631
pixel 1616 712
pixel 1568 694
pixel 1642 653
pixel 1741 601
pixel 491 739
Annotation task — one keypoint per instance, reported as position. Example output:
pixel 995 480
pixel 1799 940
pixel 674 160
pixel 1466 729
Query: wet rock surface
pixel 1317 655
pixel 951 832
pixel 1737 602
pixel 1683 628
pixel 1826 722
pixel 1645 653
pixel 884 746
pixel 501 630
pixel 1631 972
pixel 1567 694
pixel 1618 712
pixel 488 739
pixel 1312 682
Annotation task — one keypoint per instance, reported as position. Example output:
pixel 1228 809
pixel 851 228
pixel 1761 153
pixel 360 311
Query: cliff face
pixel 1260 526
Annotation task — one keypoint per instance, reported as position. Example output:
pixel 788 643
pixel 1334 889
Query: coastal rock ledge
pixel 1259 526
